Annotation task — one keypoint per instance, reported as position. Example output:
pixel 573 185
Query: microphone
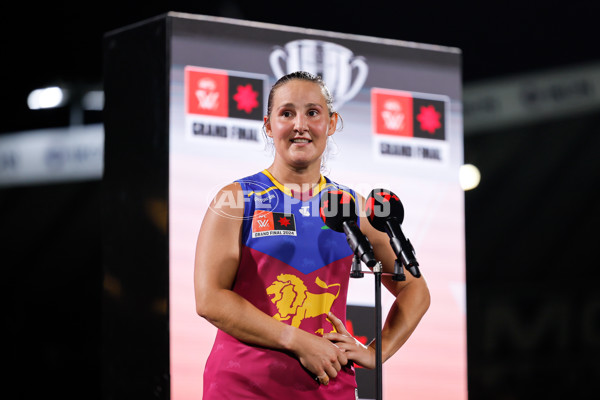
pixel 338 212
pixel 385 212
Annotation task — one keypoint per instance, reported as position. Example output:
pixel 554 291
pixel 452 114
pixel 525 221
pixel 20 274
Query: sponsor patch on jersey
pixel 267 223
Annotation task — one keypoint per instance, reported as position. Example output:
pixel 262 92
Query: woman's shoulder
pixel 255 183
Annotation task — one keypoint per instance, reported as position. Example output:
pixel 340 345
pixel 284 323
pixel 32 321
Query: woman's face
pixel 300 123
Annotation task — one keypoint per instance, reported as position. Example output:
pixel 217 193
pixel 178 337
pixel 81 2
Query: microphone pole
pixel 356 272
pixel 338 212
pixel 378 359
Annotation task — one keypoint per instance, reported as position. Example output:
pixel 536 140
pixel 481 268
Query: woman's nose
pixel 301 123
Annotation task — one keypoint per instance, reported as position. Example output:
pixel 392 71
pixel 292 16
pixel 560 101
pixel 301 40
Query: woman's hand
pixel 354 350
pixel 319 356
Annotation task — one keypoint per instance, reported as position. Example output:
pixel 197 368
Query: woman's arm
pixel 411 303
pixel 218 252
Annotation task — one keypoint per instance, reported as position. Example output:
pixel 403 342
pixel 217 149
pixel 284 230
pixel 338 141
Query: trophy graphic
pixel 334 63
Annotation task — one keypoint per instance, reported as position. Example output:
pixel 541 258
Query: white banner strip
pixel 52 155
pixel 532 97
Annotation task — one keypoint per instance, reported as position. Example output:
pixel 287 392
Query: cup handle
pixel 275 59
pixel 360 64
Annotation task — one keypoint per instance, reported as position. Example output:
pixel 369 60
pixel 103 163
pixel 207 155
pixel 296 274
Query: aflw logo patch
pixel 267 223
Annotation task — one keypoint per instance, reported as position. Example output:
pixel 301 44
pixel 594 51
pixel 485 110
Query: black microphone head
pixel 382 205
pixel 337 206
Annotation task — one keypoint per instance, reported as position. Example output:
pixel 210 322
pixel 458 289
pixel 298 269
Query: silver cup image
pixel 334 63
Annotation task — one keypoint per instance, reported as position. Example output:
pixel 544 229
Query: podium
pixel 184 100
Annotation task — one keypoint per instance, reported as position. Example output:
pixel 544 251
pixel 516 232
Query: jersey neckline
pixel 303 196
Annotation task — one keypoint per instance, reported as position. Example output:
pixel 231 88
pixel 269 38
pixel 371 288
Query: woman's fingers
pixel 336 337
pixel 337 323
pixel 348 345
pixel 320 356
pixel 323 379
pixel 330 371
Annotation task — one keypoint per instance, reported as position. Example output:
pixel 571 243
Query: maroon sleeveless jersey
pixel 296 270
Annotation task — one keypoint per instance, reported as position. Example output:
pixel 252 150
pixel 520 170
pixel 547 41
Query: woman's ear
pixel 333 120
pixel 267 125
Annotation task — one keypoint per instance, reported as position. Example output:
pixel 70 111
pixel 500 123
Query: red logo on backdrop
pixel 392 112
pixel 246 98
pixel 219 93
pixel 429 119
pixel 207 92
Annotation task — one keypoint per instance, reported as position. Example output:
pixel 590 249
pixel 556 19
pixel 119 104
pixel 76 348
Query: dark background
pixel 532 281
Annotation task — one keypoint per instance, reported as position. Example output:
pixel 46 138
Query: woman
pixel 274 279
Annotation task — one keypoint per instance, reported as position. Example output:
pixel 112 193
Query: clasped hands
pixel 328 354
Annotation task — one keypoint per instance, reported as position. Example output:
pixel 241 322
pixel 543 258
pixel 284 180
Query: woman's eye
pixel 286 114
pixel 313 113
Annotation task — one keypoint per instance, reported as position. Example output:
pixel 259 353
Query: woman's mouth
pixel 301 140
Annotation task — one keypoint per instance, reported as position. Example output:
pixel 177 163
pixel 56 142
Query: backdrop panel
pixel 402 130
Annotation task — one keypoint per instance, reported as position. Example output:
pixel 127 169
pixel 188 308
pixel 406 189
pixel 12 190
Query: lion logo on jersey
pixel 293 300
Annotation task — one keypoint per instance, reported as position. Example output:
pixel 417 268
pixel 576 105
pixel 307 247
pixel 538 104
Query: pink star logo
pixel 246 98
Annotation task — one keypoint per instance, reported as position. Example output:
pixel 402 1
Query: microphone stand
pixel 356 272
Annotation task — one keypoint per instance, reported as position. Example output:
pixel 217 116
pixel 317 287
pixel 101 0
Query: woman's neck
pixel 287 175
